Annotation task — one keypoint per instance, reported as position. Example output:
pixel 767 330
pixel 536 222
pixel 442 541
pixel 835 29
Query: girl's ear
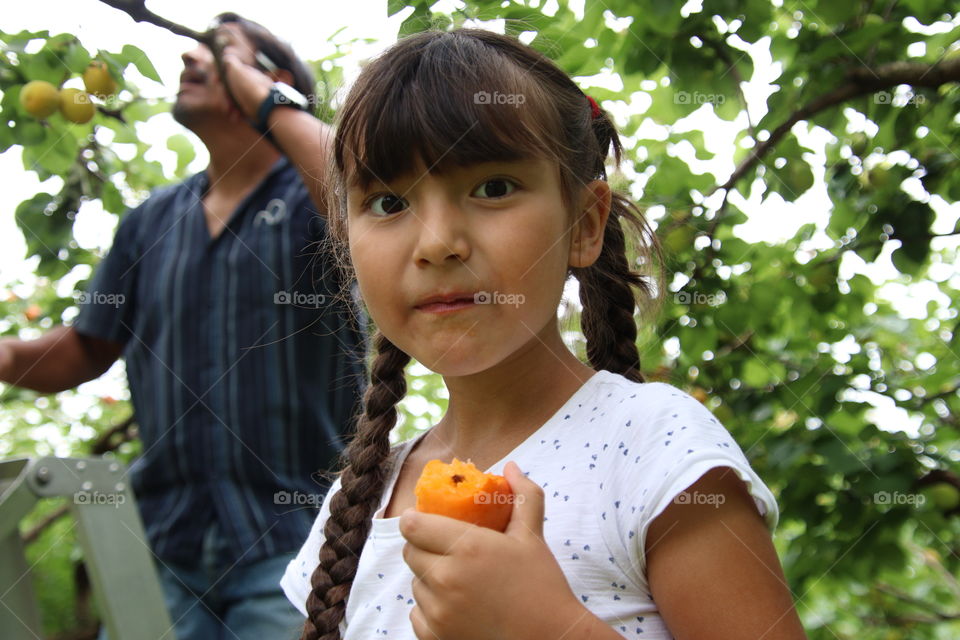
pixel 586 239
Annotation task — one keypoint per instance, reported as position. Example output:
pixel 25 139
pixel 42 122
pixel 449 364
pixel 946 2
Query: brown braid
pixel 353 506
pixel 607 286
pixel 608 303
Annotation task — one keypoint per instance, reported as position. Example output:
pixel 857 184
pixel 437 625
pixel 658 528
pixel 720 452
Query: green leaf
pixel 141 110
pixel 180 144
pixel 851 44
pixel 793 179
pixel 838 455
pixel 28 133
pixel 111 198
pixel 44 65
pixel 659 16
pixel 844 216
pixel 416 22
pixel 17 42
pixel 905 262
pixel 834 13
pixel 56 153
pixel 925 10
pixel 6 138
pixel 395 6
pixel 754 373
pixel 673 180
pixel 139 59
pixel 76 58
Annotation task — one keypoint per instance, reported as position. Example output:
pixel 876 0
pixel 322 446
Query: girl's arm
pixel 713 570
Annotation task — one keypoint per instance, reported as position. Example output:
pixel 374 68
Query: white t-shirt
pixel 609 460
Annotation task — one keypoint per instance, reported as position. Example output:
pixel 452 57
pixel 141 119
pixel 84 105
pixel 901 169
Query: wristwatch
pixel 281 95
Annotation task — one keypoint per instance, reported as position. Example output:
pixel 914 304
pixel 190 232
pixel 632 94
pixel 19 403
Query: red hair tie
pixel 594 108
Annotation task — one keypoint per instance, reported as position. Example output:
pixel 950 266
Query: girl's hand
pixel 474 583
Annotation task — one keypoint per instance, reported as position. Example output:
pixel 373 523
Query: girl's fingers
pixel 420 626
pixel 418 560
pixel 423 597
pixel 528 506
pixel 432 532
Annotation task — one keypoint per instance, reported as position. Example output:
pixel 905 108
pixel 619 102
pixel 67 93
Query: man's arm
pixel 60 359
pixel 304 139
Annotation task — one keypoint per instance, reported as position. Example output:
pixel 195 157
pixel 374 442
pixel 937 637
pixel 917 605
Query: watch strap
pixel 273 100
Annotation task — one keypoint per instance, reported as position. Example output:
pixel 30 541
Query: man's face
pixel 202 97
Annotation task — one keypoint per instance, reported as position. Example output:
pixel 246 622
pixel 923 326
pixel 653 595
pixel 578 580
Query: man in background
pixel 244 368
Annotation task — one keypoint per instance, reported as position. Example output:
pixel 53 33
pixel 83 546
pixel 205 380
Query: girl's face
pixel 493 235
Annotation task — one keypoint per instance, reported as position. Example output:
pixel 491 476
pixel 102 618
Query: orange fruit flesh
pixel 460 490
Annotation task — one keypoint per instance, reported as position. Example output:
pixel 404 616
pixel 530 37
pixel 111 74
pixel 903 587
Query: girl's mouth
pixel 447 307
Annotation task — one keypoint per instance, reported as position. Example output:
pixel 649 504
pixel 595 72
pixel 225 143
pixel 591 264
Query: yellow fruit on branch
pixel 98 81
pixel 75 106
pixel 40 99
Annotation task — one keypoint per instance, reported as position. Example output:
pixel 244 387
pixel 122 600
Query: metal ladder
pixel 110 532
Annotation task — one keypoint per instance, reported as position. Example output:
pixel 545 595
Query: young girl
pixel 469 185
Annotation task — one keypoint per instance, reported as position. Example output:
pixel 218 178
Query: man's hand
pixel 304 139
pixel 474 583
pixel 248 84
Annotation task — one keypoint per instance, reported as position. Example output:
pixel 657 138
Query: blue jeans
pixel 211 601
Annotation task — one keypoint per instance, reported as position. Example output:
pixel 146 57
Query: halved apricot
pixel 460 490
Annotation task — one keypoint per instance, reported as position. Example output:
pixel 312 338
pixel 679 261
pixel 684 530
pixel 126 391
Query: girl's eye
pixel 388 204
pixel 495 188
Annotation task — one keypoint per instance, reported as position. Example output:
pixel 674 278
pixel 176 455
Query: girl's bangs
pixel 444 109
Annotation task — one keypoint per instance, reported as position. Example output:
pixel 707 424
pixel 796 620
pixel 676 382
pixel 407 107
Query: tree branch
pixel 112 113
pixel 139 12
pixel 136 10
pixel 103 443
pixel 49 519
pixel 737 343
pixel 936 614
pixel 860 82
pixel 920 402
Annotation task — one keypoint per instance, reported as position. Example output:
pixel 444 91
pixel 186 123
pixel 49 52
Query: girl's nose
pixel 443 233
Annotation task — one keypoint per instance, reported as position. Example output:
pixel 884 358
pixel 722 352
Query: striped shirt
pixel 244 370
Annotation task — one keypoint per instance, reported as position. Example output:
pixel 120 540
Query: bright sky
pixel 307 26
